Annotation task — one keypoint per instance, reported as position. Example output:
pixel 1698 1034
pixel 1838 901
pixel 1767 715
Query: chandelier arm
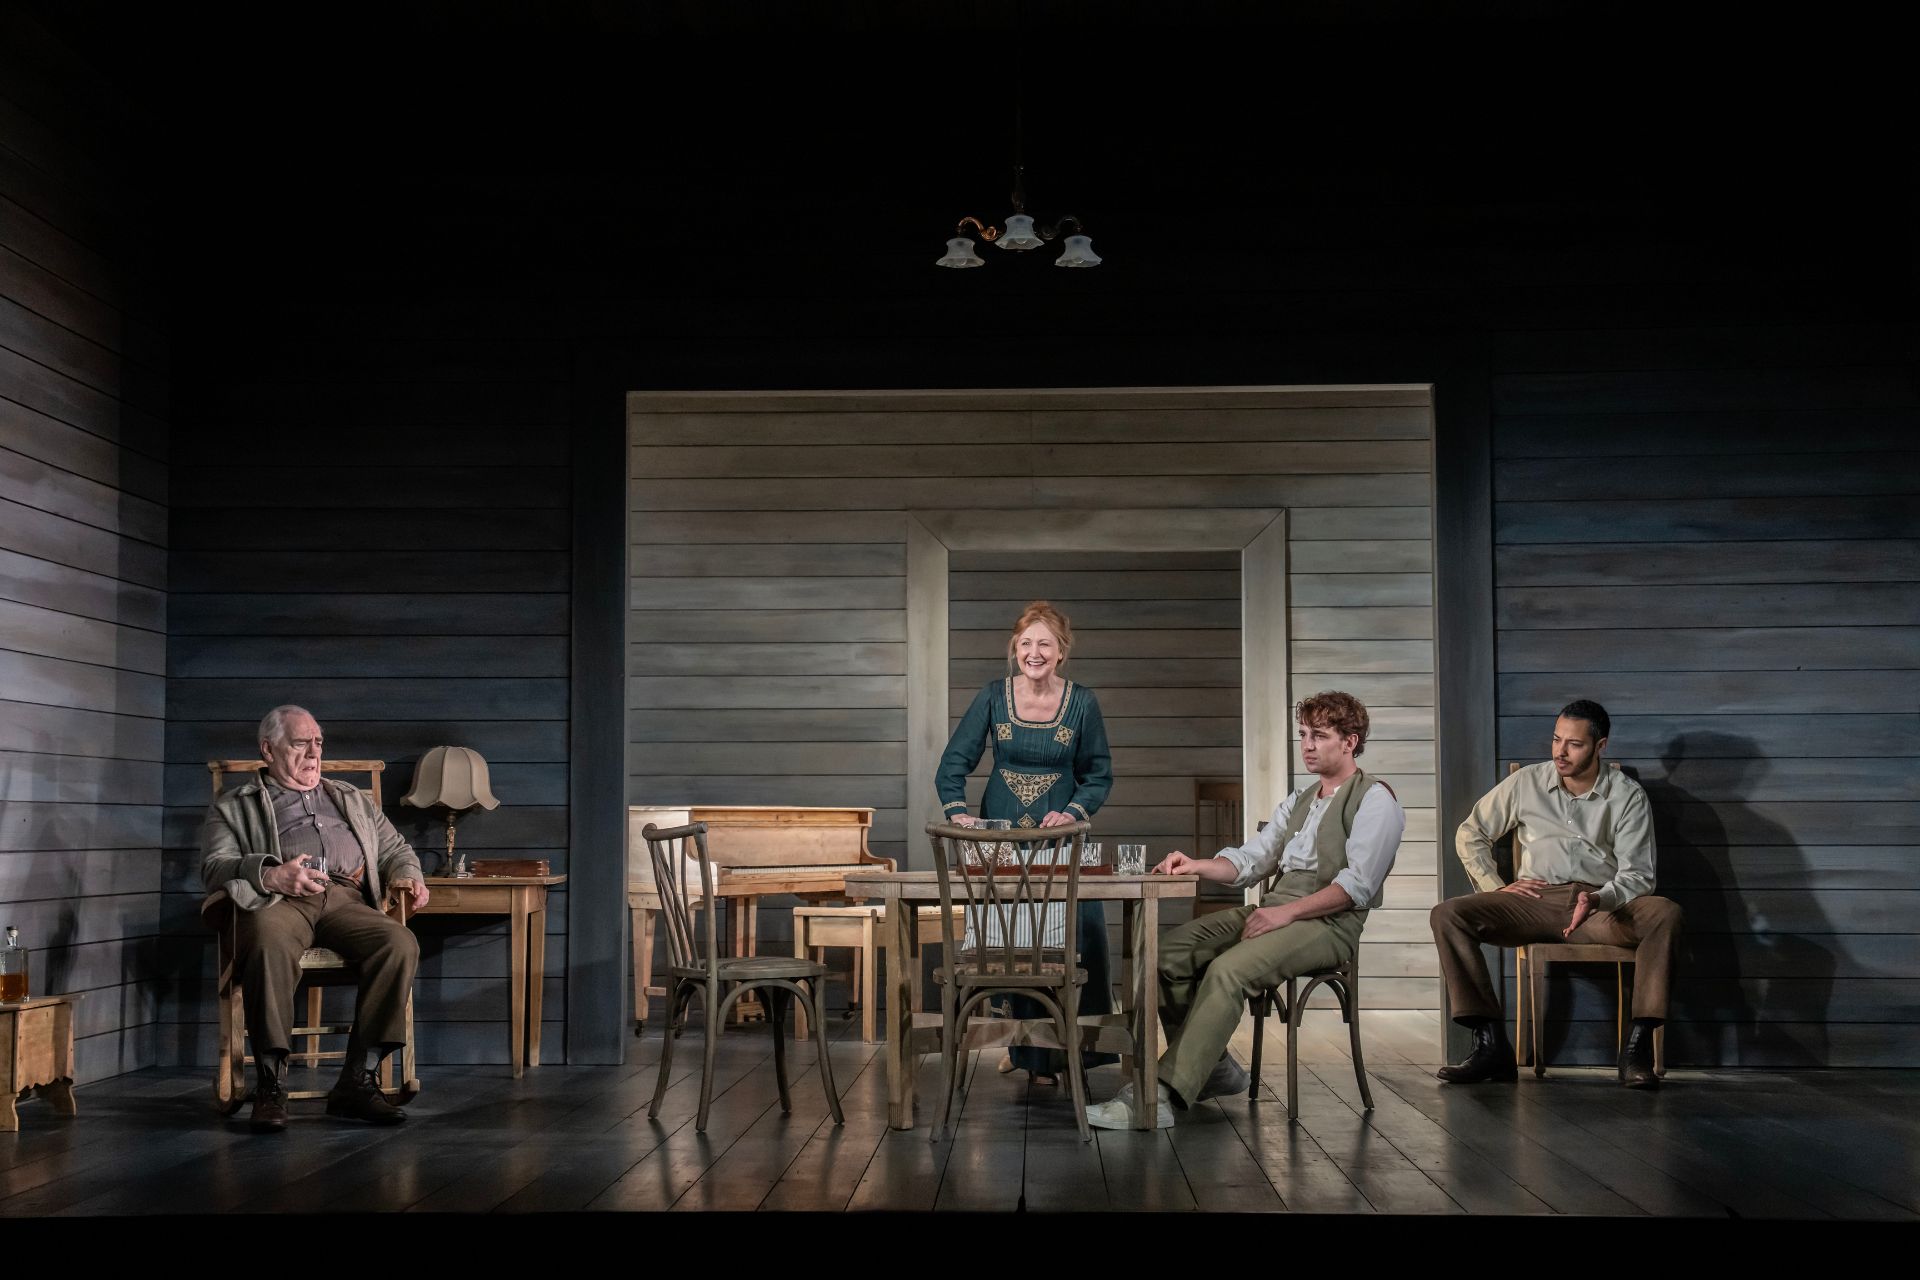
pixel 987 233
pixel 1049 233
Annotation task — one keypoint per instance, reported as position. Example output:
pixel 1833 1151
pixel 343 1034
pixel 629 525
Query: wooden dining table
pixel 911 1032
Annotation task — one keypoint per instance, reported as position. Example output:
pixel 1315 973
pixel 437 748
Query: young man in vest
pixel 1333 843
pixel 1583 872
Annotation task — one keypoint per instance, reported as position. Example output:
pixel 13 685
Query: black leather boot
pixel 1491 1059
pixel 269 1114
pixel 1636 1057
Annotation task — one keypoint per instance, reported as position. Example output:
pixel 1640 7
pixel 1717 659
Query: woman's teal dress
pixel 1062 766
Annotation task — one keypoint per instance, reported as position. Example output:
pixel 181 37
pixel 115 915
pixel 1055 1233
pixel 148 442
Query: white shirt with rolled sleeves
pixel 1371 845
pixel 1603 837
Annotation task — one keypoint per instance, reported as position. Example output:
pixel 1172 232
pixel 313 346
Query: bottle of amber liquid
pixel 13 967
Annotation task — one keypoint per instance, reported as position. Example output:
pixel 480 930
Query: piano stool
pixel 817 928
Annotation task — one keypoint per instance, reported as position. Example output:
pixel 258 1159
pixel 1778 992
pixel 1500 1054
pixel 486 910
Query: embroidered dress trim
pixel 1066 696
pixel 1004 732
pixel 1028 787
pixel 1063 736
pixel 1075 804
pixel 1026 820
pixel 951 805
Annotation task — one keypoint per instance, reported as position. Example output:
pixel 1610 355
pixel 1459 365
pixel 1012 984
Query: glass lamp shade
pixel 1019 233
pixel 1078 253
pixel 960 254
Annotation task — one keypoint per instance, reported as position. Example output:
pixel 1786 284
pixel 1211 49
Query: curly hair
pixel 1040 611
pixel 1341 712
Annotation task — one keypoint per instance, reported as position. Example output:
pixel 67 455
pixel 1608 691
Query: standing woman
pixel 1050 767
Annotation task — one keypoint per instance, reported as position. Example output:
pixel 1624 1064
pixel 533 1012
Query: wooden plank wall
pixel 375 524
pixel 83 561
pixel 768 593
pixel 1716 535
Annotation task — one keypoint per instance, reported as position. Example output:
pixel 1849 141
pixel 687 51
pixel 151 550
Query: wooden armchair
pixel 320 966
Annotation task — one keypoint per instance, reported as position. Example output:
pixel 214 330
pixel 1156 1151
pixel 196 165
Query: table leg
pixel 901 916
pixel 800 950
pixel 517 983
pixel 1129 997
pixel 867 970
pixel 59 1096
pixel 536 972
pixel 642 962
pixel 1147 981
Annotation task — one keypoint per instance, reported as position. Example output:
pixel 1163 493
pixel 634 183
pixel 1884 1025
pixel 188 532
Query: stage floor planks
pixel 1791 1144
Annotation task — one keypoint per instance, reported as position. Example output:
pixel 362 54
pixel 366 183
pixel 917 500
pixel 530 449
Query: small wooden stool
pixel 817 928
pixel 36 1055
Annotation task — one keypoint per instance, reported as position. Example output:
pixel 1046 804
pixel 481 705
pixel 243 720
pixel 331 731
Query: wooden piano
pixel 756 851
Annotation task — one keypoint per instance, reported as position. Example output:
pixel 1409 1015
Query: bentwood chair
pixel 320 967
pixel 1530 990
pixel 1013 889
pixel 694 963
pixel 1344 982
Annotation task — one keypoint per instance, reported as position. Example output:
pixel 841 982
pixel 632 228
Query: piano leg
pixel 746 942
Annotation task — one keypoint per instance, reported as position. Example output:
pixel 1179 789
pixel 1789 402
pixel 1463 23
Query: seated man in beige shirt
pixel 1583 872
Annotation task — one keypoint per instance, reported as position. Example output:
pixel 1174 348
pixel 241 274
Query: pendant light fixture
pixel 1020 234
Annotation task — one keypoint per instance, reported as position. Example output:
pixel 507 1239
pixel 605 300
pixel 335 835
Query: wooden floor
pixel 1806 1144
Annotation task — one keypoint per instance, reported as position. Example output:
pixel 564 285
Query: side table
pixel 523 900
pixel 36 1054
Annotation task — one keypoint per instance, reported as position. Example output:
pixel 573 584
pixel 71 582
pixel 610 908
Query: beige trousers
pixel 1207 972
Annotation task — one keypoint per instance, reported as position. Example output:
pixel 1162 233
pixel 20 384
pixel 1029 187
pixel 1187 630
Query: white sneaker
pixel 1117 1111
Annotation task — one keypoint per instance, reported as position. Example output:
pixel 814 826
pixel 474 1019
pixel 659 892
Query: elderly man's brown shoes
pixel 269 1114
pixel 359 1098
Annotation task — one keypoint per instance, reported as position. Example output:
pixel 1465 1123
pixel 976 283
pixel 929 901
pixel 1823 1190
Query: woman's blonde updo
pixel 1040 611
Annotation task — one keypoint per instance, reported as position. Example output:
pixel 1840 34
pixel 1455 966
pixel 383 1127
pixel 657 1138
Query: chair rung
pixel 326 1029
pixel 301 1055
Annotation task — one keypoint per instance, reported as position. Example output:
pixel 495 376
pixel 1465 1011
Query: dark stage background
pixel 312 315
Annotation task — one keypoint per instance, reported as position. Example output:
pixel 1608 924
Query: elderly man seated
pixel 307 861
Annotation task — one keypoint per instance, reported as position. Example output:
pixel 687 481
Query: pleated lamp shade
pixel 455 777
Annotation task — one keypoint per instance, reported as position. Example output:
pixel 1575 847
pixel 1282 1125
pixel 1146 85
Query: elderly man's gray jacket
pixel 240 840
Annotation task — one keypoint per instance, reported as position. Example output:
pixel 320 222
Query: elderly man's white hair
pixel 273 724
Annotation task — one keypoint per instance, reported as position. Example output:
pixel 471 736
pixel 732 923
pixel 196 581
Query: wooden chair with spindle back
pixel 319 967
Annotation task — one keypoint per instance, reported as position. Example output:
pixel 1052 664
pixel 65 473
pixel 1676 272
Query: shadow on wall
pixel 1756 978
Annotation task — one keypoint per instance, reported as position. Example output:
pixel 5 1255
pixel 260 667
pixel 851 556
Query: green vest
pixel 1330 841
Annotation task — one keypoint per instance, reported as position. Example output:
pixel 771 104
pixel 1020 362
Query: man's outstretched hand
pixel 1582 908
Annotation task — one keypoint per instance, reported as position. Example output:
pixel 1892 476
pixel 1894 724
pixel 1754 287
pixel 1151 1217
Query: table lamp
pixel 454 779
